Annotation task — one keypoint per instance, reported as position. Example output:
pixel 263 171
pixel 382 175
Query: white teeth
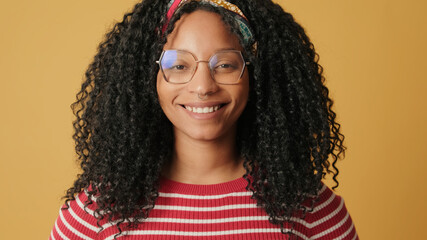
pixel 202 110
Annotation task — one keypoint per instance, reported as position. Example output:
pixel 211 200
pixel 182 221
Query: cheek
pixel 240 96
pixel 166 94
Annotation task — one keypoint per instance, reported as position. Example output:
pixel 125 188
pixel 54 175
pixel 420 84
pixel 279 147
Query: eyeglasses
pixel 179 66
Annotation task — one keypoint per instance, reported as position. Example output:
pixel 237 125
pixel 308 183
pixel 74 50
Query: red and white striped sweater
pixel 208 212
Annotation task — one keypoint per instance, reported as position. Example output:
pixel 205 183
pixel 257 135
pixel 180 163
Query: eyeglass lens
pixel 179 66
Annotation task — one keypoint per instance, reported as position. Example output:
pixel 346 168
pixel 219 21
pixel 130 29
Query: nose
pixel 202 81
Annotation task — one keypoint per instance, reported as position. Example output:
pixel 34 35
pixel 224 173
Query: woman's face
pixel 203 34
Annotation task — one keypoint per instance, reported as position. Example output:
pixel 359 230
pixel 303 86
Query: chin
pixel 202 134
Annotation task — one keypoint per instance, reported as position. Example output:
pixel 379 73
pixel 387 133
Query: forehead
pixel 202 33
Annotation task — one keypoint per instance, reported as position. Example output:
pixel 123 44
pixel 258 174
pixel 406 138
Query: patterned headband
pixel 240 18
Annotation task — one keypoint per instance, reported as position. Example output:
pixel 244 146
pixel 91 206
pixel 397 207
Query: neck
pixel 204 162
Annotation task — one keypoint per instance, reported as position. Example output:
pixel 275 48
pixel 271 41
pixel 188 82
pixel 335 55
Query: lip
pixel 203 104
pixel 203 116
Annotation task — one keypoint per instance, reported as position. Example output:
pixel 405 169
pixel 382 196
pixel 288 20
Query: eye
pixel 178 67
pixel 225 66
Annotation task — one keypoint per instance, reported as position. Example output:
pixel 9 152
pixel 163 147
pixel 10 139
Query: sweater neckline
pixel 170 186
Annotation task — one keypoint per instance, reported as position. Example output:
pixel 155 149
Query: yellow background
pixel 374 57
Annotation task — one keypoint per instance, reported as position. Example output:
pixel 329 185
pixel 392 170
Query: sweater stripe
pixel 81 221
pixel 324 204
pixel 327 231
pixel 203 234
pixel 346 232
pixel 59 231
pixel 204 209
pixel 70 228
pixel 355 235
pixel 322 220
pixel 208 212
pixel 193 197
pixel 208 221
pixel 51 235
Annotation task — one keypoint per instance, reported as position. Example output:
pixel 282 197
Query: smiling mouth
pixel 203 109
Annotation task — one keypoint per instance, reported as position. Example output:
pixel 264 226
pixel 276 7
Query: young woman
pixel 205 120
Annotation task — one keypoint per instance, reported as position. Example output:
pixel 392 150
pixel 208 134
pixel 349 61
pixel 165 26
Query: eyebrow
pixel 195 56
pixel 231 48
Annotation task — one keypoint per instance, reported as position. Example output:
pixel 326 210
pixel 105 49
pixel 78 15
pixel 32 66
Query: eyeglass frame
pixel 245 63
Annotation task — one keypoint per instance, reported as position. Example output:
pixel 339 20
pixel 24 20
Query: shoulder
pixel 76 220
pixel 329 218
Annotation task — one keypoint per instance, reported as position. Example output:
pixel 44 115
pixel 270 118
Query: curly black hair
pixel 287 134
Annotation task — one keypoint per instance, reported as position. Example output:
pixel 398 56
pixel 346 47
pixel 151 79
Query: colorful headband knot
pixel 240 18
